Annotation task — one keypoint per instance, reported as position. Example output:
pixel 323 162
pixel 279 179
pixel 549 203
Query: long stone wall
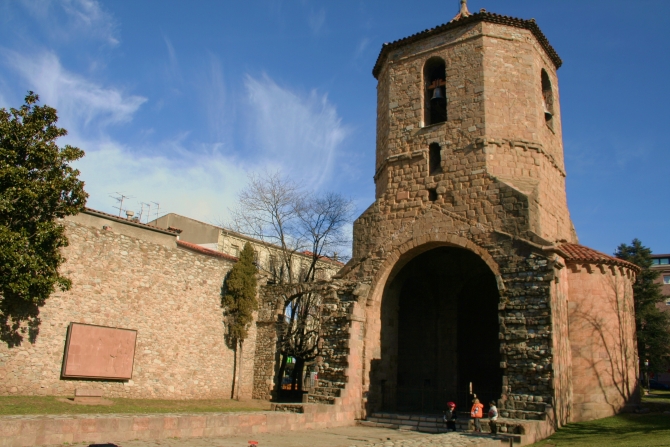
pixel 132 276
pixel 49 430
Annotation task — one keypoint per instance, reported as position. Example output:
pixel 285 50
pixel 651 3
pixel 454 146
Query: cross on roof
pixel 464 12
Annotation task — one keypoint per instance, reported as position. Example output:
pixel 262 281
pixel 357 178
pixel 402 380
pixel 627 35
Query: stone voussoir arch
pixel 417 245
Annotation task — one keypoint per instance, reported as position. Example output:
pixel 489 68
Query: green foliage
pixel 37 185
pixel 239 298
pixel 652 324
pixel 623 430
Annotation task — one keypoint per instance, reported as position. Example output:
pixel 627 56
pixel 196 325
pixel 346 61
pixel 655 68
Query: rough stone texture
pixel 341 326
pixel 131 276
pixel 499 193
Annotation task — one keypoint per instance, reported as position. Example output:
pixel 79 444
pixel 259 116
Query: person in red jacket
pixel 476 413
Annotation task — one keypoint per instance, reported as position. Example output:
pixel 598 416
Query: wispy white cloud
pixel 173 70
pixel 202 187
pixel 316 20
pixel 361 47
pixel 83 17
pixel 191 179
pixel 78 100
pixel 213 93
pixel 299 134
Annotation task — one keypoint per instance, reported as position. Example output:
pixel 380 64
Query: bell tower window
pixel 547 100
pixel 435 107
pixel 434 159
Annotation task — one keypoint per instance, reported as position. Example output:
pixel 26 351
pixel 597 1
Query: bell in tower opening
pixel 436 101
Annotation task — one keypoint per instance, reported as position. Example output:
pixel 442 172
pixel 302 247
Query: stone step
pixel 401 426
pixel 434 424
pixel 316 399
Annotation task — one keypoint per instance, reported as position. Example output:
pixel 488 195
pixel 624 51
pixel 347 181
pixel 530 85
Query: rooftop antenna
pixel 119 198
pixel 158 207
pixel 148 205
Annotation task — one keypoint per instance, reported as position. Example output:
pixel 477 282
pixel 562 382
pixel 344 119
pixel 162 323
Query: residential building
pixel 269 257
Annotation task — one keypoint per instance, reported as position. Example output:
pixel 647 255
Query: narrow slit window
pixel 435 107
pixel 547 100
pixel 434 159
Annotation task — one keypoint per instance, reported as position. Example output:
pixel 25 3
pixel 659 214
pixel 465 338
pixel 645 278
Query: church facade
pixel 467 277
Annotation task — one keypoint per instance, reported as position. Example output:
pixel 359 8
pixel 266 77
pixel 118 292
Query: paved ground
pixel 335 437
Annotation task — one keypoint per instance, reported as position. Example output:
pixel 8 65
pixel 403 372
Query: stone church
pixel 467 277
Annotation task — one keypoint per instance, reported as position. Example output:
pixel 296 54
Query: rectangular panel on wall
pixel 98 352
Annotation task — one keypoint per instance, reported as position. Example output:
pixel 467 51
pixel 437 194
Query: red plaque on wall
pixel 99 352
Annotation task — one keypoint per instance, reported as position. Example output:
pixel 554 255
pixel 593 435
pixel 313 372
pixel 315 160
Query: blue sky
pixel 175 102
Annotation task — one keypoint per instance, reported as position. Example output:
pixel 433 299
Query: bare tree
pixel 267 210
pixel 276 210
pixel 322 221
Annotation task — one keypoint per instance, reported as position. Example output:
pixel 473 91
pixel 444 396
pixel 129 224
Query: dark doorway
pixel 439 334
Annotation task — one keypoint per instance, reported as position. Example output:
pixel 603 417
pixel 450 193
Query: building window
pixel 664 261
pixel 236 250
pixel 547 100
pixel 666 279
pixel 432 194
pixel 435 106
pixel 434 159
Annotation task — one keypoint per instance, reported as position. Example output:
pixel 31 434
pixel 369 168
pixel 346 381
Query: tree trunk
pixel 280 374
pixel 234 387
pixel 237 370
pixel 300 366
pixel 294 378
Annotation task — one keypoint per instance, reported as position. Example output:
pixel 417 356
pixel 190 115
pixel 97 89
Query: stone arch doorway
pixel 439 333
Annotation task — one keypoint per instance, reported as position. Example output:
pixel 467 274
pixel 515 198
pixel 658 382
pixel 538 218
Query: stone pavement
pixel 357 436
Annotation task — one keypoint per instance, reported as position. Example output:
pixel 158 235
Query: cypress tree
pixel 239 302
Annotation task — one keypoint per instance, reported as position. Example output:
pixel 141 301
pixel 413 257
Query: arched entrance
pixel 439 333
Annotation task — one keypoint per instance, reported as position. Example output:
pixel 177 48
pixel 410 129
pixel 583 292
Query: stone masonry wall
pixel 267 348
pixel 514 112
pixel 341 341
pixel 136 278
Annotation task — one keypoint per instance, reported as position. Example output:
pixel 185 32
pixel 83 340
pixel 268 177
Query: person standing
pixel 493 417
pixel 450 416
pixel 476 413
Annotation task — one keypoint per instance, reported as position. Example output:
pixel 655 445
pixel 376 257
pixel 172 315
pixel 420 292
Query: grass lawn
pixel 12 405
pixel 657 397
pixel 639 430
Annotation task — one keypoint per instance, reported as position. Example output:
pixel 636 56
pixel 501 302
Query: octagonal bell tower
pixel 467 257
pixel 468 117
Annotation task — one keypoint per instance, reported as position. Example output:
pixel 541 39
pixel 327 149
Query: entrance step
pixel 508 429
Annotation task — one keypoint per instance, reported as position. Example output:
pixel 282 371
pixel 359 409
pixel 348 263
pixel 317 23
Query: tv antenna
pixel 119 199
pixel 158 207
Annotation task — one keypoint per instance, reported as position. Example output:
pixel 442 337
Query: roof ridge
pixel 577 252
pixel 459 20
pixel 128 221
pixel 206 251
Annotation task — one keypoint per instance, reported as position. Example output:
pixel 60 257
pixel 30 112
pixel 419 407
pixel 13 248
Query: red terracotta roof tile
pixel 577 253
pixel 322 258
pixel 205 251
pixel 459 20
